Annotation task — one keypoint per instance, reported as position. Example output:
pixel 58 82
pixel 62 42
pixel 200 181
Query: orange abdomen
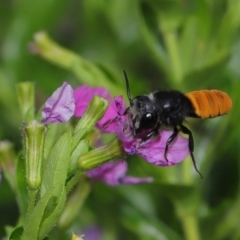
pixel 210 103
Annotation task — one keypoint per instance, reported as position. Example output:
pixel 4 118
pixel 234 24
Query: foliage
pixel 185 45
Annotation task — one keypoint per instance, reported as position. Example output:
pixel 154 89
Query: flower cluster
pixel 66 102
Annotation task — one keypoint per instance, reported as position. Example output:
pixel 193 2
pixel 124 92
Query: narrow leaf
pixel 32 226
pixel 16 234
pixel 47 224
pixel 57 164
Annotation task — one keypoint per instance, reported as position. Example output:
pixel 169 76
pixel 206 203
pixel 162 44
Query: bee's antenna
pixel 127 86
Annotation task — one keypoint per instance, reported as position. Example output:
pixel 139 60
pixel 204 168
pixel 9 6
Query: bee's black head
pixel 141 112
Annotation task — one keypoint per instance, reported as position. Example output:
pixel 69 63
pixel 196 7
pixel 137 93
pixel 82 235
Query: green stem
pixel 172 47
pixel 32 193
pixel 190 227
pixel 186 170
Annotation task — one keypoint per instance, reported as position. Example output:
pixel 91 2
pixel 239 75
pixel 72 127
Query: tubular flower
pixel 153 149
pixel 83 96
pixel 65 102
pixel 60 106
pixel 115 121
pixel 113 173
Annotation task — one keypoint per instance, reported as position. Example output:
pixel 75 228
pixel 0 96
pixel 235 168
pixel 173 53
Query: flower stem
pixel 190 227
pixel 32 193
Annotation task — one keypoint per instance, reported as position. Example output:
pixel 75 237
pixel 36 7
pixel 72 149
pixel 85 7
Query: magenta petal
pixel 113 173
pixel 60 106
pixel 108 122
pixel 153 151
pixel 109 172
pixel 84 94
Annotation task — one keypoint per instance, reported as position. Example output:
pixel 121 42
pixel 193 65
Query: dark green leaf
pixel 16 234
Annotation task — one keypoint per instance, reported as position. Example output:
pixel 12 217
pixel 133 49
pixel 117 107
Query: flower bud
pixel 93 113
pixel 34 134
pixel 25 92
pixel 8 162
pixel 111 151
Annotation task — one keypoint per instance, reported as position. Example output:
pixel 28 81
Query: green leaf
pixel 45 205
pixel 54 132
pixel 56 166
pixel 48 222
pixel 16 234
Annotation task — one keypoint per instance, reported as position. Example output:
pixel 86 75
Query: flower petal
pixel 153 151
pixel 60 106
pixel 108 122
pixel 84 94
pixel 113 173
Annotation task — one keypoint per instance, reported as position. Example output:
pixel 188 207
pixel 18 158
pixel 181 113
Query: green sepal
pixel 34 135
pixel 26 96
pixel 113 150
pixel 93 113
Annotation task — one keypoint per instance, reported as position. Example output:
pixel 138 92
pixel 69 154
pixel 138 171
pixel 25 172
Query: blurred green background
pixel 178 44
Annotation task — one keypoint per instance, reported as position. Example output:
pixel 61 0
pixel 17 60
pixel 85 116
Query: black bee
pixel 169 108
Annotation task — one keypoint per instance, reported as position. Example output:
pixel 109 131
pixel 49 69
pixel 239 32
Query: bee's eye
pixel 148 120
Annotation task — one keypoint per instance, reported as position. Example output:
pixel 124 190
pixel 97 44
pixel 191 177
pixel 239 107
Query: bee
pixel 169 108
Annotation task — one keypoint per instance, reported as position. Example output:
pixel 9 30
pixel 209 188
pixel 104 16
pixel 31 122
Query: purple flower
pixel 114 121
pixel 60 106
pixel 153 149
pixel 83 96
pixel 113 173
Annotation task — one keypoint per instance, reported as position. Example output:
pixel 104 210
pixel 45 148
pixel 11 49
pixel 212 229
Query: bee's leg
pixel 190 146
pixel 154 132
pixel 169 141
